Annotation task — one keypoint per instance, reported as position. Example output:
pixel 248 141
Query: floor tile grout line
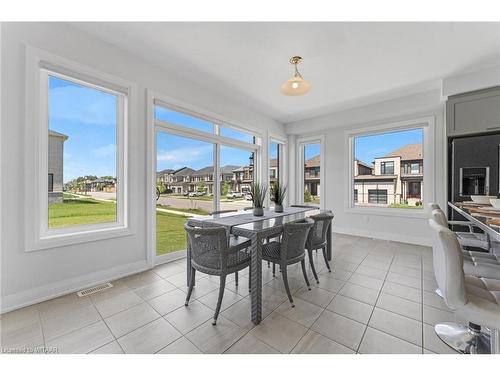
pixel 107 326
pixel 325 308
pixel 275 310
pixel 374 305
pixel 41 328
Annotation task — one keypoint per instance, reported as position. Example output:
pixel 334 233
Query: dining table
pixel 485 217
pixel 257 229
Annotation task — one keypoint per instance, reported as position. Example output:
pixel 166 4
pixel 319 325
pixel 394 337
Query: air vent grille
pixel 94 289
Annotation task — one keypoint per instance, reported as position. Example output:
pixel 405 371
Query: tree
pixel 161 187
pixel 225 188
pixel 201 187
pixel 307 197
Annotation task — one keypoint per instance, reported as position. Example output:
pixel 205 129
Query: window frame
pixel 154 125
pixel 282 164
pixel 427 124
pixel 39 65
pixel 301 142
pixel 384 166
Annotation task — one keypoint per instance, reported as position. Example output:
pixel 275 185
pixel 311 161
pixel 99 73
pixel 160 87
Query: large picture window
pixel 388 169
pixel 202 166
pixel 82 153
pixel 77 125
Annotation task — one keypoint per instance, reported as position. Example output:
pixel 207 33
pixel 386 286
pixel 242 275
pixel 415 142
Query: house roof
pixel 242 168
pixel 57 134
pixel 408 152
pixel 364 164
pixel 273 163
pixel 227 169
pixel 168 170
pixel 313 162
pixel 203 171
pixel 185 171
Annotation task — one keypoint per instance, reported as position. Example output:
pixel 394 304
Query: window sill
pixel 394 212
pixel 75 238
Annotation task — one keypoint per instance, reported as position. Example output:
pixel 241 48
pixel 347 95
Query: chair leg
pixel 222 286
pixel 326 260
pixel 250 277
pixel 236 278
pixel 287 287
pixel 274 269
pixel 191 285
pixel 303 264
pixel 311 262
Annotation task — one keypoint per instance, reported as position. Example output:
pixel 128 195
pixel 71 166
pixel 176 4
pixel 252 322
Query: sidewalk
pixel 180 213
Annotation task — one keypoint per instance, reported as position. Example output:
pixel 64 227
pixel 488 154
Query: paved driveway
pixel 202 204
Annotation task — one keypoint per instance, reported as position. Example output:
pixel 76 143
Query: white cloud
pixel 73 103
pixel 181 157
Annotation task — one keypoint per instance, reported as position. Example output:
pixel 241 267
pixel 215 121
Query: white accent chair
pixel 470 238
pixel 476 263
pixel 473 299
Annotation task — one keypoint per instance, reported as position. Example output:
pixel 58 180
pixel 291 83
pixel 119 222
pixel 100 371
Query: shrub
pixel 307 197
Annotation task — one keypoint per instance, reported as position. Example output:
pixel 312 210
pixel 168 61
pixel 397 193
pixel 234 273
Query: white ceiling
pixel 346 63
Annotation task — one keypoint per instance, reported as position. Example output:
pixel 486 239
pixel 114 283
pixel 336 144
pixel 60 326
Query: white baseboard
pixel 396 237
pixel 45 292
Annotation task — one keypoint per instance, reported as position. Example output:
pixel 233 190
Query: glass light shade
pixel 295 86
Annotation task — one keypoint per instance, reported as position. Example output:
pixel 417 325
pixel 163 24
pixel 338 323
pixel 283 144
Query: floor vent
pixel 94 289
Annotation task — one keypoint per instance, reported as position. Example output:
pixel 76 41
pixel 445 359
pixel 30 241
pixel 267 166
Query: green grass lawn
pixel 76 211
pixel 402 205
pixel 170 234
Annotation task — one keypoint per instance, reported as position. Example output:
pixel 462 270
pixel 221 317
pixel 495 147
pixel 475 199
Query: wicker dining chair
pixel 290 250
pixel 317 238
pixel 212 254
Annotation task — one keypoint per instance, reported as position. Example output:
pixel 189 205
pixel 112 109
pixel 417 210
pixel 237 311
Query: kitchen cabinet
pixel 474 112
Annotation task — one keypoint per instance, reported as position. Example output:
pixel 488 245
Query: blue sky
pixel 311 150
pixel 88 117
pixel 174 152
pixel 367 148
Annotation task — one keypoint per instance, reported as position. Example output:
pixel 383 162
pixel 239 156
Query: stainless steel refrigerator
pixel 474 167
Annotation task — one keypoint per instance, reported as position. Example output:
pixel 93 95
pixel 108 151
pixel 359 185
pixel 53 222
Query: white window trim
pixel 154 125
pixel 301 142
pixel 37 234
pixel 428 126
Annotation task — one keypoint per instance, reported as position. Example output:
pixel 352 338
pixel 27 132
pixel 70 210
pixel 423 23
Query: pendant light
pixel 296 85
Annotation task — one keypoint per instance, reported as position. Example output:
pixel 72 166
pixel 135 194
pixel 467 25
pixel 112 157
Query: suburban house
pixel 273 170
pixel 312 176
pixel 55 166
pixel 396 178
pixel 105 184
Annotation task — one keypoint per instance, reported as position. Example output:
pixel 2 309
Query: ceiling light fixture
pixel 296 85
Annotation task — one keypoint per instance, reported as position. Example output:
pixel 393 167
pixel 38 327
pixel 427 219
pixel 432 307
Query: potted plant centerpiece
pixel 258 194
pixel 277 195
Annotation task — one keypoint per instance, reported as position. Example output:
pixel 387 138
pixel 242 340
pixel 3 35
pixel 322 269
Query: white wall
pixel 333 126
pixel 30 277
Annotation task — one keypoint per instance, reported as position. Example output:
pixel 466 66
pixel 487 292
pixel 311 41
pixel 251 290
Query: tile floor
pixel 379 298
